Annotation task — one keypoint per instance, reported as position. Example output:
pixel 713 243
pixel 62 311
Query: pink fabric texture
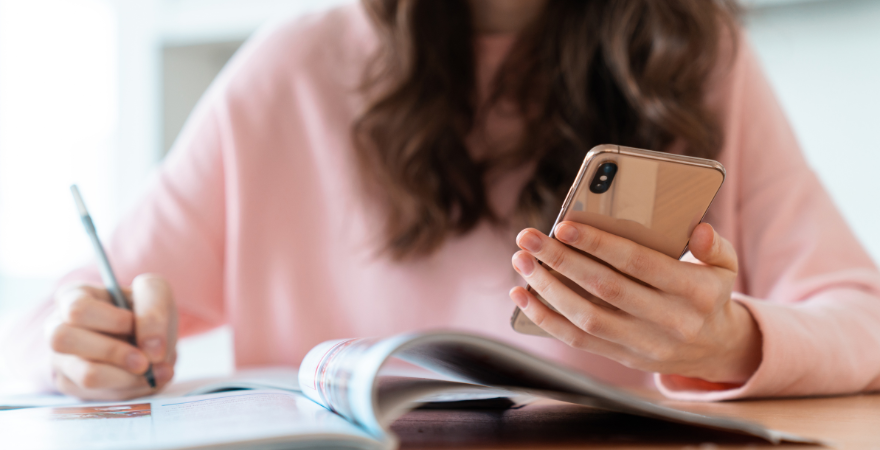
pixel 258 220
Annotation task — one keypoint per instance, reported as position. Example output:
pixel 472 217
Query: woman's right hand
pixel 92 357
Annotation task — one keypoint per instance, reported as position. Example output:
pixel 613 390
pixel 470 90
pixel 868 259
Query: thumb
pixel 711 249
pixel 155 316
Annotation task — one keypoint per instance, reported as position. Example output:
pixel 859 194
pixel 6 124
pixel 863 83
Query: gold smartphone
pixel 654 199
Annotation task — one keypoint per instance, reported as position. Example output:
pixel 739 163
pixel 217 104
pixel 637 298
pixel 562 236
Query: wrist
pixel 737 353
pixel 742 352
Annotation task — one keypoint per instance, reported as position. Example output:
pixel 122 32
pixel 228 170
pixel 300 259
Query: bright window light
pixel 58 109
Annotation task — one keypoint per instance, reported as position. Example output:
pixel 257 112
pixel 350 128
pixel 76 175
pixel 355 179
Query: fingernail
pixel 153 348
pixel 163 373
pixel 135 361
pixel 529 241
pixel 523 263
pixel 519 298
pixel 566 233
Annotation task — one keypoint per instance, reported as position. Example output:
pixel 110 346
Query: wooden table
pixel 845 422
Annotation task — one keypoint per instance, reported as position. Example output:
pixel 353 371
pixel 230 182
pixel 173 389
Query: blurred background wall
pixel 95 92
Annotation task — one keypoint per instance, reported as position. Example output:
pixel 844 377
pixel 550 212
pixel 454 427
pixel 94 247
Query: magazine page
pixel 233 420
pixel 350 377
pixel 343 375
pixel 18 401
pixel 275 377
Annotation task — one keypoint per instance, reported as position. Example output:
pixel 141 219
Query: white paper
pixel 245 419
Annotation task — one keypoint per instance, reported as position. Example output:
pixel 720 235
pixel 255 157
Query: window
pixel 58 121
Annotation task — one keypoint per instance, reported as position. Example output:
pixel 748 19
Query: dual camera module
pixel 602 180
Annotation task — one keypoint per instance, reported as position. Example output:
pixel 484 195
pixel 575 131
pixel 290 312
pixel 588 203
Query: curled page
pixel 326 373
pixel 343 376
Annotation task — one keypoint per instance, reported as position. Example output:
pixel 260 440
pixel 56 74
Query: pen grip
pixel 107 275
pixel 112 285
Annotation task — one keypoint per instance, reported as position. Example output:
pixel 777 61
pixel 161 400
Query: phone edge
pixel 588 158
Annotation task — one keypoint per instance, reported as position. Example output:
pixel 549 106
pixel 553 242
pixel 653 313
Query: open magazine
pixel 346 398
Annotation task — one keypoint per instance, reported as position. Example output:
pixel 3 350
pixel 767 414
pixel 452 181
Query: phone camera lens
pixel 603 178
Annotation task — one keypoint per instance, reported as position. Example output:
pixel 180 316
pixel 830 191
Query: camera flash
pixel 604 177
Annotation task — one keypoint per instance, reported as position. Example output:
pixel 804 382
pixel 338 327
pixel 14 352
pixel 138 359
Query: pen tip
pixel 151 379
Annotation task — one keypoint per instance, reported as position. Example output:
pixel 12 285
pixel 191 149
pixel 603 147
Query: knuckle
pixel 689 332
pixel 660 353
pixel 607 288
pixel 63 383
pixel 703 295
pixel 543 284
pixel 91 377
pixel 124 322
pixel 717 288
pixel 592 242
pixel 75 292
pixel 630 362
pixel 704 308
pixel 539 318
pixel 590 323
pixel 114 353
pixel 690 288
pixel 77 312
pixel 637 263
pixel 59 338
pixel 553 256
pixel 681 327
pixel 63 387
pixel 705 286
pixel 554 292
pixel 575 340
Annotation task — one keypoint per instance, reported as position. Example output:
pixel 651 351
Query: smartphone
pixel 652 198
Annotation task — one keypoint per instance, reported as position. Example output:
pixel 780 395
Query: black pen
pixel 106 272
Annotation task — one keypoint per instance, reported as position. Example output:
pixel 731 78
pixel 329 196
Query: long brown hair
pixel 587 72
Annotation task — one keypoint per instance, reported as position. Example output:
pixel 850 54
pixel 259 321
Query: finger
pixel 153 311
pixel 163 372
pixel 584 314
pixel 593 276
pixel 637 261
pixel 68 387
pixel 97 347
pixel 84 311
pixel 81 289
pixel 93 376
pixel 712 249
pixel 561 328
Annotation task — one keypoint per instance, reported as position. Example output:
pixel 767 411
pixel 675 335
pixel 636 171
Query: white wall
pixel 823 59
pixel 59 123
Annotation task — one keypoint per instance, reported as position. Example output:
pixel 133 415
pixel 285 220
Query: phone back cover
pixel 656 203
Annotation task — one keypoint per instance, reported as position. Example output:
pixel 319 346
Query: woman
pixel 364 171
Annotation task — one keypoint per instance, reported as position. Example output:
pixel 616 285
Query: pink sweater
pixel 258 221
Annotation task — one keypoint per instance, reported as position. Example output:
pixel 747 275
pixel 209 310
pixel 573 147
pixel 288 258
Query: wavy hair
pixel 586 72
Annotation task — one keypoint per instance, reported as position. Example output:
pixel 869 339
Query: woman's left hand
pixel 680 321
